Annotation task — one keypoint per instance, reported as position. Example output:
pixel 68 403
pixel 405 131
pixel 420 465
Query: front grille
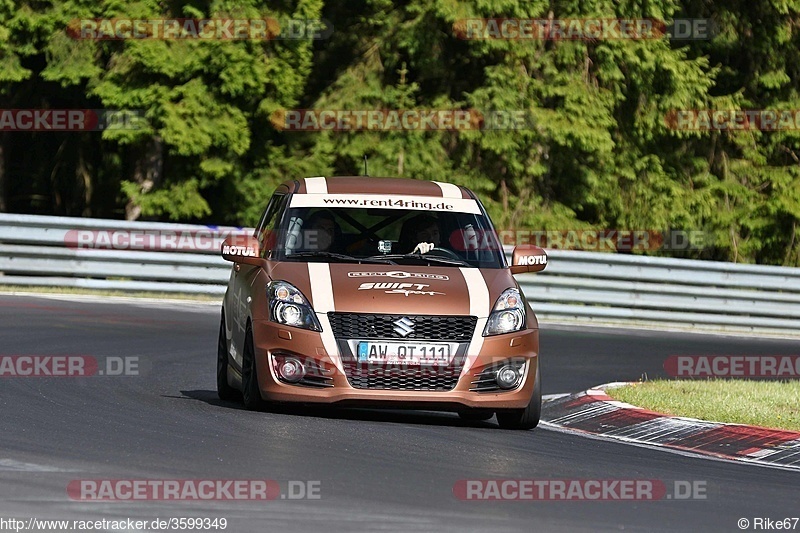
pixel 396 377
pixel 409 378
pixel 426 327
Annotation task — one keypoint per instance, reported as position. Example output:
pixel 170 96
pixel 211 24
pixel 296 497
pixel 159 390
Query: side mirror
pixel 528 258
pixel 242 249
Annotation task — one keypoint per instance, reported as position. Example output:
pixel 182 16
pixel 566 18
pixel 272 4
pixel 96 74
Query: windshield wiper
pixel 424 257
pixel 340 257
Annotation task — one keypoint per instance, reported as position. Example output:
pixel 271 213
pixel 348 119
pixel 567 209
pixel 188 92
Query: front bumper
pixel 274 339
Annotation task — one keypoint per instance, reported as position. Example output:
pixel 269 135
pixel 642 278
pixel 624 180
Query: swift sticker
pixel 399 288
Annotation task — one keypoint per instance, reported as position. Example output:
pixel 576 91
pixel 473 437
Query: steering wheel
pixel 446 252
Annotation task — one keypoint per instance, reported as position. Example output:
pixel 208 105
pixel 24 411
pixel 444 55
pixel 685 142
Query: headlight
pixel 287 305
pixel 507 315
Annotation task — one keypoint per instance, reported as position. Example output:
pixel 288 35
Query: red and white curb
pixel 594 412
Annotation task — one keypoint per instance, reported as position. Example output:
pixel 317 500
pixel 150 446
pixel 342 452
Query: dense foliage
pixel 599 153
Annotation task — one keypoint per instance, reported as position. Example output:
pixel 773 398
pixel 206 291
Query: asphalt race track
pixel 377 470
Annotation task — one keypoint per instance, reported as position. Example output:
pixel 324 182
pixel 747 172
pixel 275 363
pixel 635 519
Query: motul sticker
pixel 242 251
pixel 532 260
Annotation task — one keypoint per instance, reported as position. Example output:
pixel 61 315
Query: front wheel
pixel 251 394
pixel 527 418
pixel 224 391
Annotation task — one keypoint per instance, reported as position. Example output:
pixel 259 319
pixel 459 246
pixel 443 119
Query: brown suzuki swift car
pixel 380 292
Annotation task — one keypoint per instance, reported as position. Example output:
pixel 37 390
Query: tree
pixel 594 146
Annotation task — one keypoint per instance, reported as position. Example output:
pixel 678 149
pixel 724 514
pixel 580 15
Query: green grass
pixel 95 292
pixel 772 404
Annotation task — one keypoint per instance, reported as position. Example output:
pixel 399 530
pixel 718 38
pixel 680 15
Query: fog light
pixel 507 377
pixel 291 370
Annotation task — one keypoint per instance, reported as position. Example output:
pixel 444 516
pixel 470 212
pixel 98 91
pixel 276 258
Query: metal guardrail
pixel 50 251
pixel 586 286
pixel 676 292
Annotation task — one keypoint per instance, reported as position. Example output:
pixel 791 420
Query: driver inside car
pixel 322 232
pixel 420 235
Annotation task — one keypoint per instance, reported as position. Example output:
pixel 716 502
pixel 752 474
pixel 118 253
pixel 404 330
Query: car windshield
pixel 391 236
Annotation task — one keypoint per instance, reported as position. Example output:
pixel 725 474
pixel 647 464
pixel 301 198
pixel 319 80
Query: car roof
pixel 375 185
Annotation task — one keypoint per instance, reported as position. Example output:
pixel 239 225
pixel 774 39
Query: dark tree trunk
pixel 83 176
pixel 147 173
pixel 3 186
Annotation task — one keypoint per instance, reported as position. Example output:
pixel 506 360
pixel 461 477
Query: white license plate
pixel 404 353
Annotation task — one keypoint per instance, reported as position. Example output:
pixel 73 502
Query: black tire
pixel 527 418
pixel 476 415
pixel 224 391
pixel 251 394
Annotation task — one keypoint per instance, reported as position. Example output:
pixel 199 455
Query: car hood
pixel 394 289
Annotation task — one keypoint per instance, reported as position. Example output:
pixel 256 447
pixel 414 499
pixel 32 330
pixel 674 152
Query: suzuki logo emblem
pixel 404 326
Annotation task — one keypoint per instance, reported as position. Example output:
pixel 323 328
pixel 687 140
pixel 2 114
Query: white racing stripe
pixel 479 305
pixel 319 277
pixel 449 190
pixel 316 186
